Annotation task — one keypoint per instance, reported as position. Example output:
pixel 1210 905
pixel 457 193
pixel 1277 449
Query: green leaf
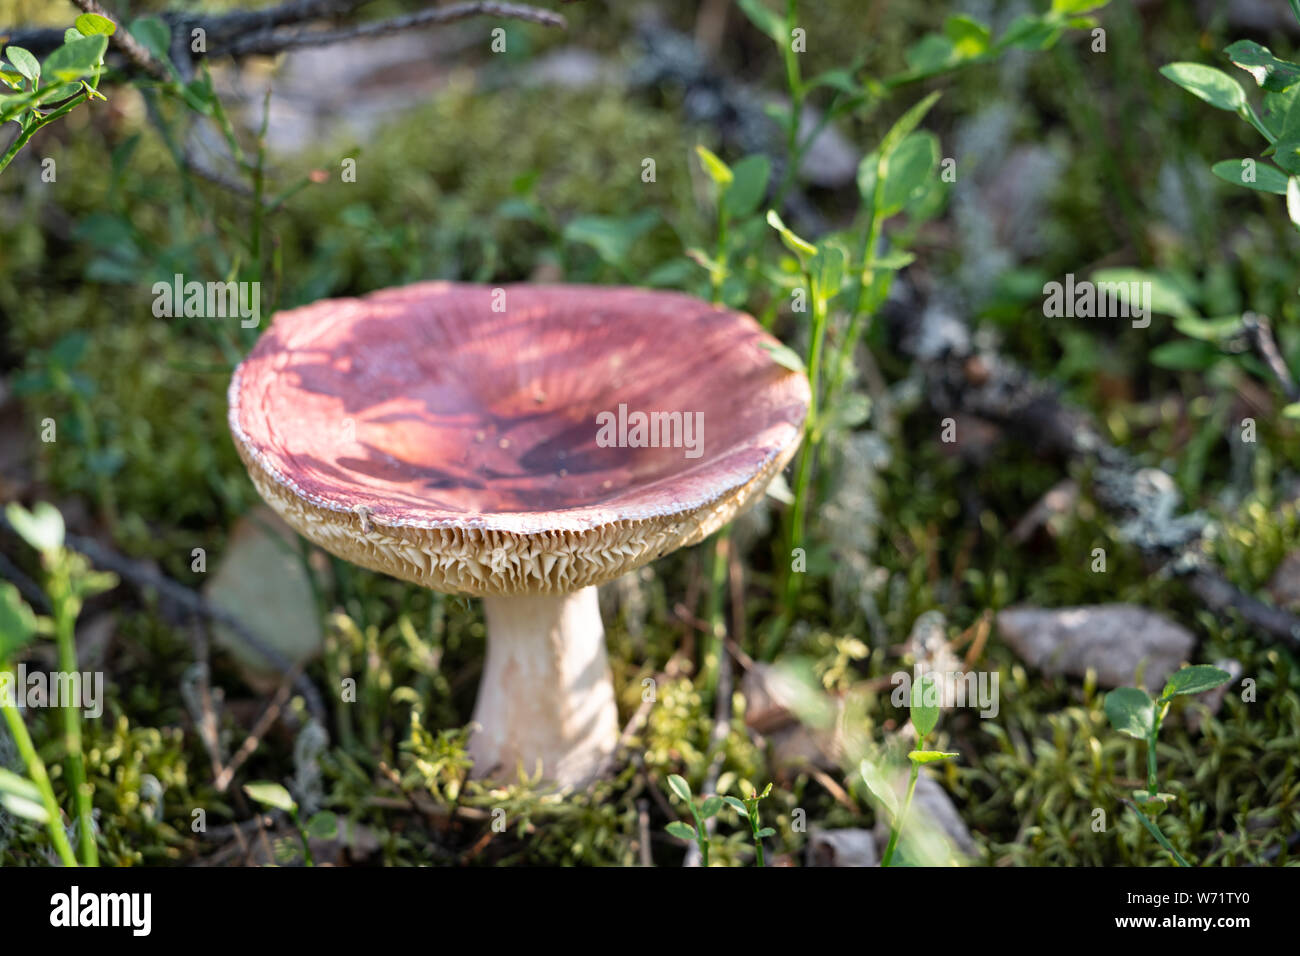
pixel 1029 32
pixel 18 786
pixel 783 355
pixel 748 188
pixel 322 826
pixel 909 171
pixel 766 790
pixel 17 622
pixel 1214 86
pixel 893 261
pixel 42 527
pixel 1210 330
pixel 841 80
pixel 1286 153
pixel 736 805
pixel 1281 113
pixel 924 715
pixel 1291 411
pixel 718 171
pixel 683 831
pixel 800 247
pixel 1195 679
pixel 906 123
pixel 1269 72
pixel 931 54
pixel 679 786
pixel 92 24
pixel 1154 801
pixel 764 18
pixel 710 807
pixel 76 58
pixel 879 786
pixel 155 34
pixel 1130 711
pixel 969 37
pixel 611 237
pixel 1071 8
pixel 23 807
pixel 1252 174
pixel 764 833
pixel 1185 356
pixel 827 269
pixel 1165 296
pixel 24 63
pixel 270 794
pixel 930 756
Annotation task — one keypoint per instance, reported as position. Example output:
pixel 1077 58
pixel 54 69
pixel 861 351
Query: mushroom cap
pixel 421 432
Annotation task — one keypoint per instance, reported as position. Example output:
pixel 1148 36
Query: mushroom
pixel 524 444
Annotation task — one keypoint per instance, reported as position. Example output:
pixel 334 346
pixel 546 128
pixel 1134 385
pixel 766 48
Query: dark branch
pixel 250 32
pixel 963 379
pixel 274 42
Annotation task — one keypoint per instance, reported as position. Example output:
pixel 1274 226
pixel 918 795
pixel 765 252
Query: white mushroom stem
pixel 546 692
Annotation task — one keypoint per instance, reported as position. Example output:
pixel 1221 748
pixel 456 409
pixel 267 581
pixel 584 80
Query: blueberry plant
pixel 1131 711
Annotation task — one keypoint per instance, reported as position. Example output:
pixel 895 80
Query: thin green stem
pixel 65 638
pixel 701 835
pixel 803 472
pixel 897 828
pixel 36 770
pixel 1151 748
pixel 1158 834
pixel 302 835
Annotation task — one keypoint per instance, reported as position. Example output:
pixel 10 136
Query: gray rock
pixel 1112 639
pixel 842 848
pixel 1285 584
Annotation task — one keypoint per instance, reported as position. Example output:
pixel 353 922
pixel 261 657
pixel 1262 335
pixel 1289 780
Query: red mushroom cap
pixel 450 434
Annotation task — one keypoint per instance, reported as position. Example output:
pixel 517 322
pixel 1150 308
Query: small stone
pixel 1111 639
pixel 1285 585
pixel 842 848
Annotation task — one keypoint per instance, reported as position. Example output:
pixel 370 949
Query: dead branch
pixel 147 578
pixel 275 42
pixel 261 32
pixel 964 378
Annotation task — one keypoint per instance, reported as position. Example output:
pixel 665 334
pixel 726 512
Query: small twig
pixel 144 576
pixel 643 833
pixel 206 724
pixel 1220 595
pixel 962 379
pixel 1260 332
pixel 121 38
pixel 263 724
pixel 275 42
